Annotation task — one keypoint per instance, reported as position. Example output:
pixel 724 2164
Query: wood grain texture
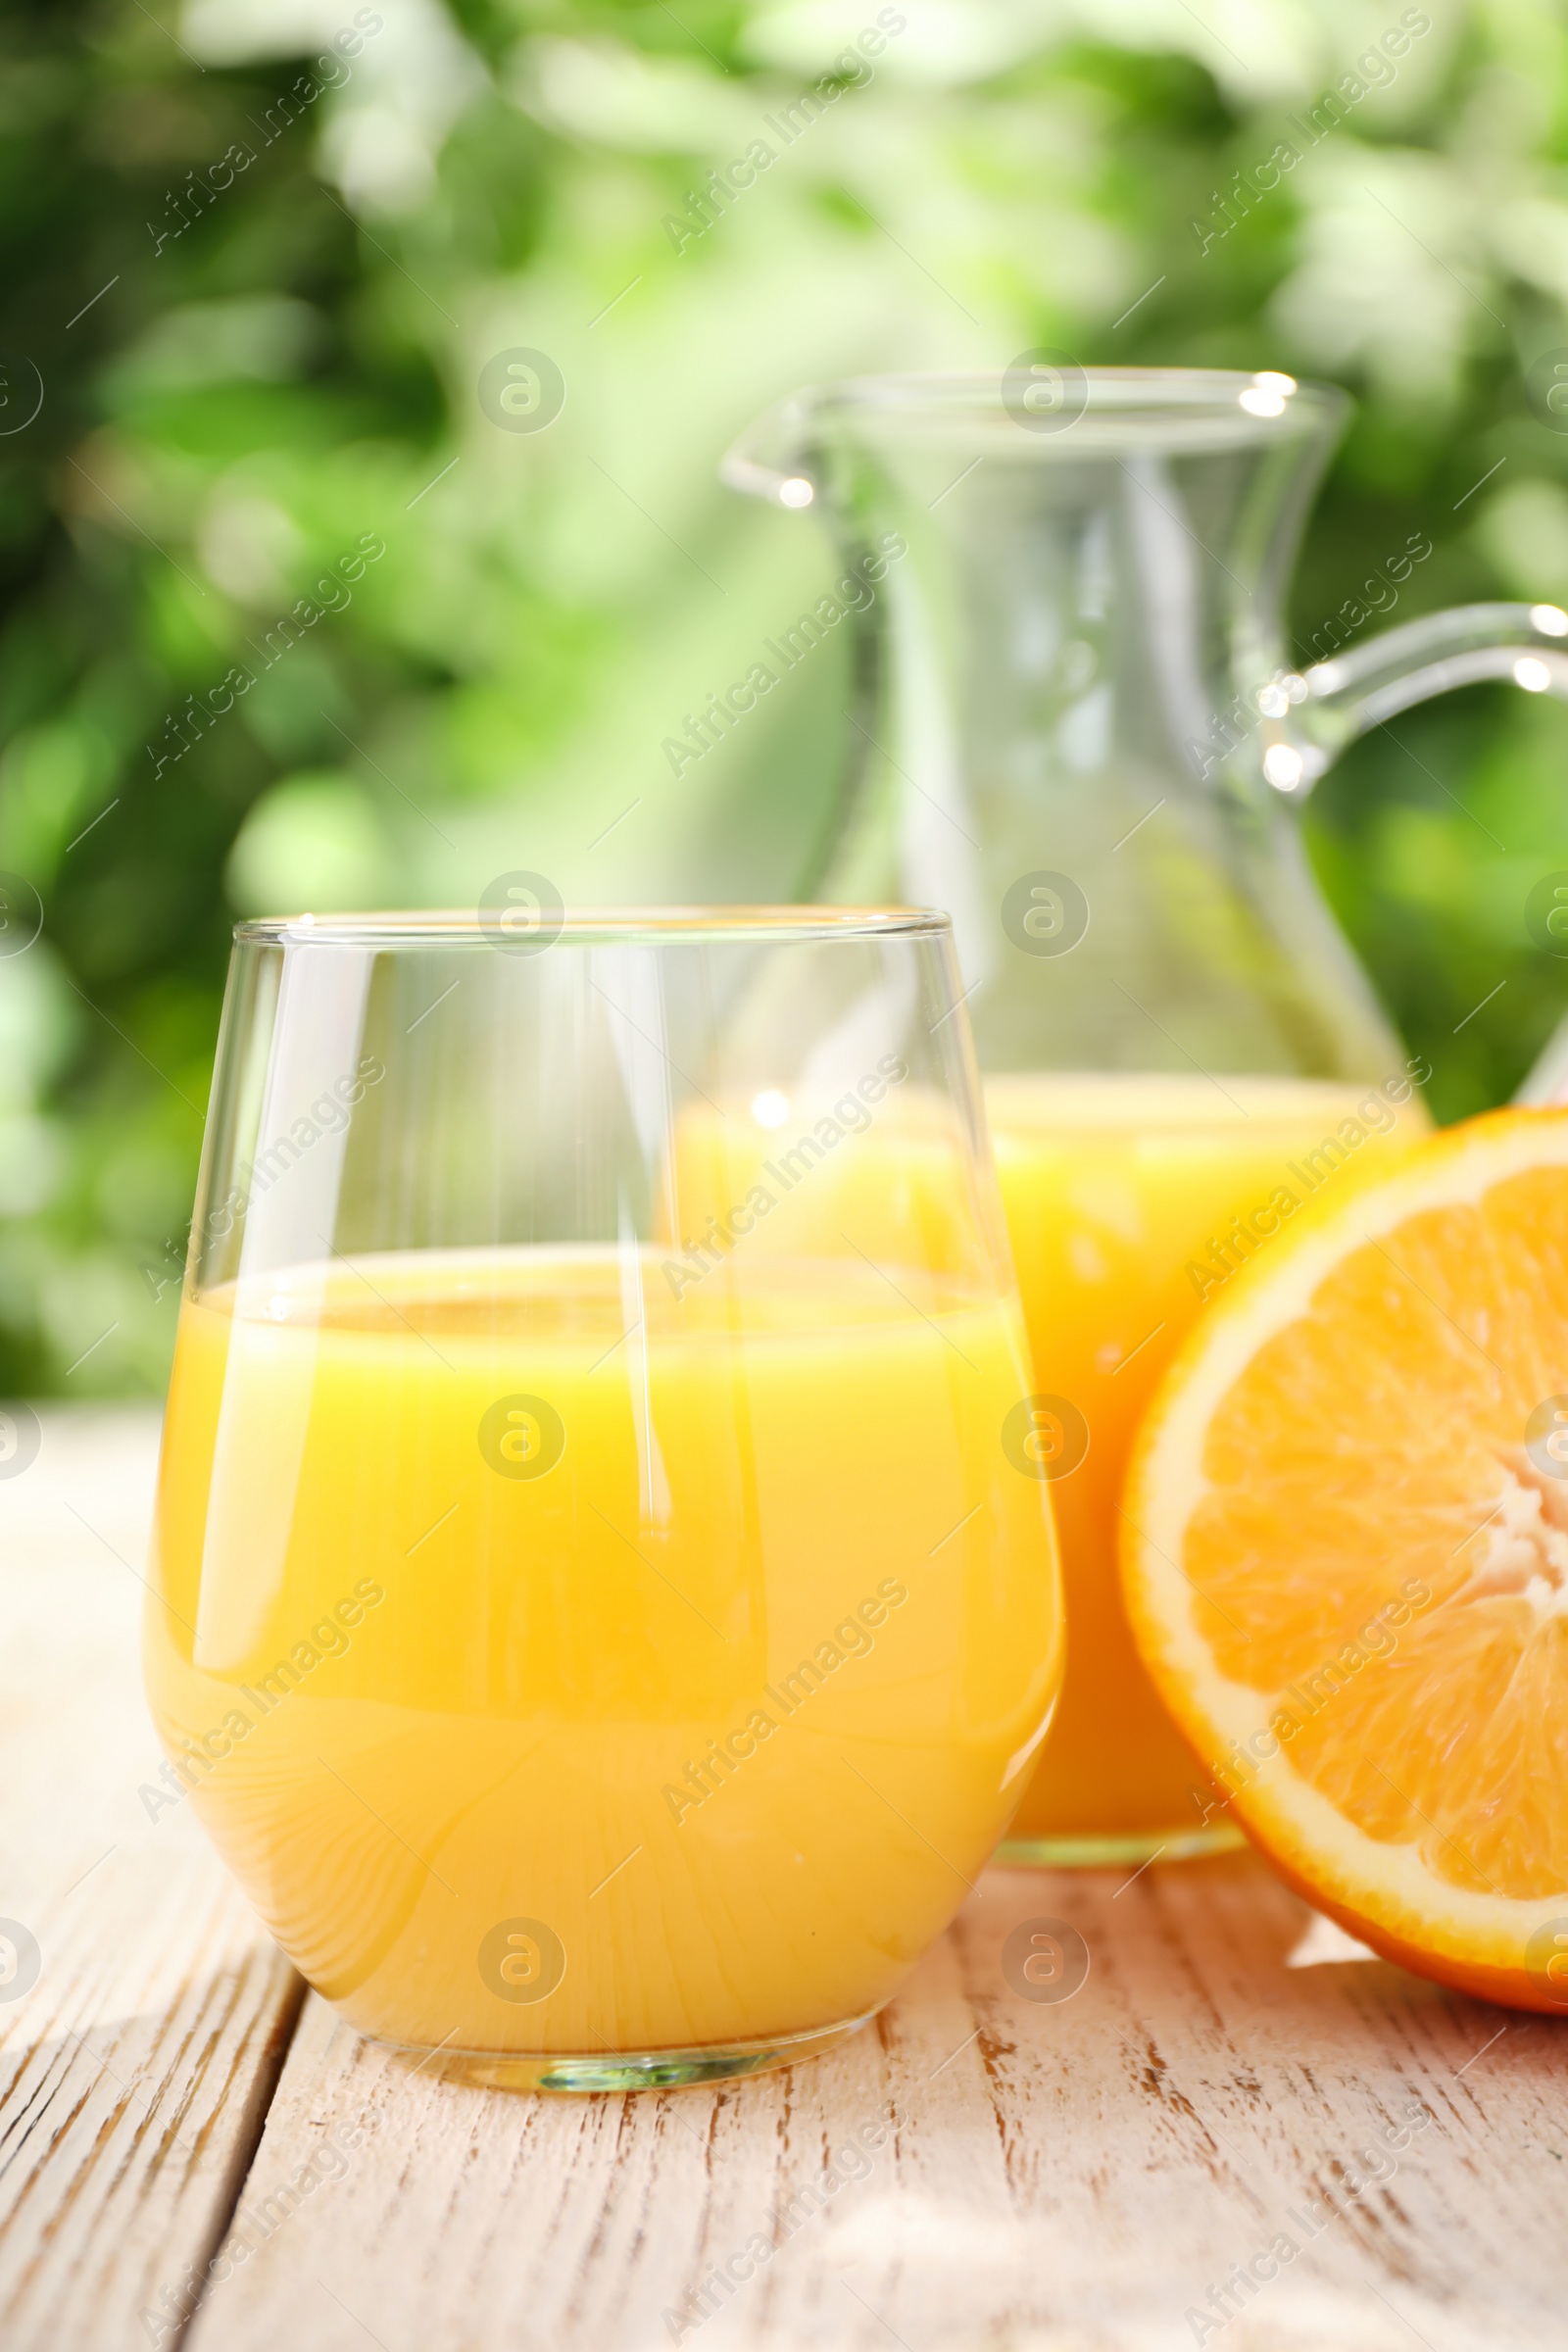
pixel 1022 2176
pixel 136 2069
pixel 1072 2176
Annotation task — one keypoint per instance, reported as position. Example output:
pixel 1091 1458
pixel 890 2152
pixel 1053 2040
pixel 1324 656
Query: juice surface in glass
pixel 564 1666
pixel 1130 1199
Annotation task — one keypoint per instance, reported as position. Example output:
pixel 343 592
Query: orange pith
pixel 1346 1556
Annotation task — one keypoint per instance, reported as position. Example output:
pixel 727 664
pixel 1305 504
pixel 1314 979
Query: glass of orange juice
pixel 595 1611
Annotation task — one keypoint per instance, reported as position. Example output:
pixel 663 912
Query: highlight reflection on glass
pixel 595 1611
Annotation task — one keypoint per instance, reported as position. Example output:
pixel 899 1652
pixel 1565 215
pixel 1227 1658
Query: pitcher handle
pixel 1326 707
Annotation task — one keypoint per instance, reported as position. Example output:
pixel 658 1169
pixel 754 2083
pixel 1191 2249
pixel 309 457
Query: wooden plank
pixel 1075 2176
pixel 136 2069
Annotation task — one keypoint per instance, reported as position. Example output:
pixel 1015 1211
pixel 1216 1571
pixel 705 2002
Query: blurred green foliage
pixel 259 275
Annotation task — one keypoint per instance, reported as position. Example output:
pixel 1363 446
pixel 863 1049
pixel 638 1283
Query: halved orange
pixel 1346 1554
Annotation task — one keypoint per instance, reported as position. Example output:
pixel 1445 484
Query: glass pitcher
pixel 1075 726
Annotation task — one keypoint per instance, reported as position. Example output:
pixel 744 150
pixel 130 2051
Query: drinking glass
pixel 605 1607
pixel 1077 723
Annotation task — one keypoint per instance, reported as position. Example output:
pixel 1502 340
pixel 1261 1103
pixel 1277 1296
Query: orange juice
pixel 566 1665
pixel 1130 1200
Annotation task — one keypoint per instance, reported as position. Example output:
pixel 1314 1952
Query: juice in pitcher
pixel 1078 726
pixel 1130 1200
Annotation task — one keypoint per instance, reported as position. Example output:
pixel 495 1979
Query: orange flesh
pixel 1390 1424
pixel 1351 1584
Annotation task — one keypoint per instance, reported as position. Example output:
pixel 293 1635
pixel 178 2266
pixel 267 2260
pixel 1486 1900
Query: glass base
pixel 623 2070
pixel 1104 1853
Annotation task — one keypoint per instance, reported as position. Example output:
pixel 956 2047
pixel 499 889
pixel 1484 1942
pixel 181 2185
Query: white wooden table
pixel 1075 2176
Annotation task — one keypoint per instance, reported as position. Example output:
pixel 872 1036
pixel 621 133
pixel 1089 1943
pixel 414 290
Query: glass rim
pixel 591 926
pixel 1126 391
pixel 1106 407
